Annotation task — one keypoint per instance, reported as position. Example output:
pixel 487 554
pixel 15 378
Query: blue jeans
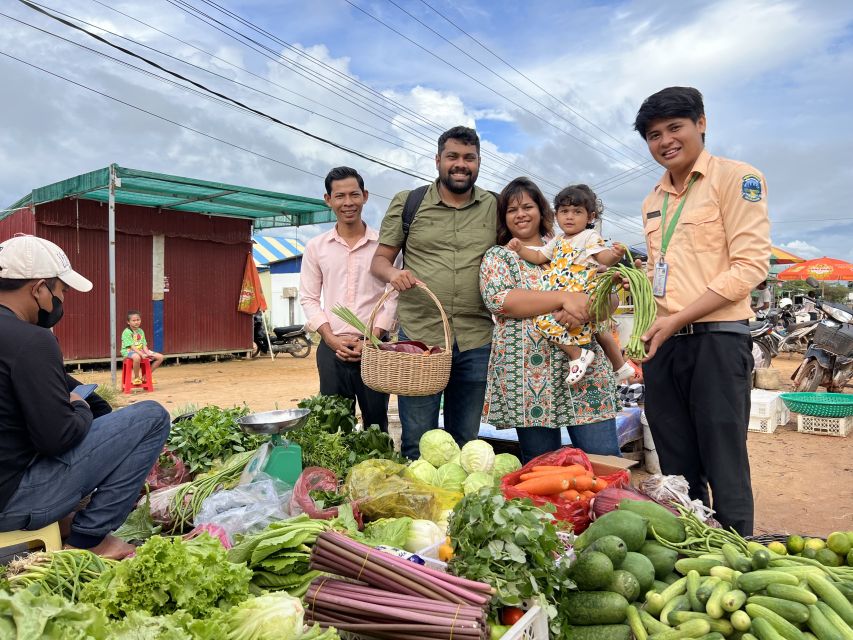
pixel 463 402
pixel 112 460
pixel 596 437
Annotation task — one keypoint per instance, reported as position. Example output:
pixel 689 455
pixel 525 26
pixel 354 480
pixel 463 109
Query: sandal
pixel 137 381
pixel 625 373
pixel 577 368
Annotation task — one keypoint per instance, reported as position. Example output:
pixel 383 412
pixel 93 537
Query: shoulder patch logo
pixel 750 188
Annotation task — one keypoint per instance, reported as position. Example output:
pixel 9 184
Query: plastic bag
pixel 576 514
pixel 247 508
pixel 313 479
pixel 668 489
pixel 168 471
pixel 381 492
pixel 161 502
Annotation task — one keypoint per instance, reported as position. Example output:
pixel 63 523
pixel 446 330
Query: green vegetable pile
pixel 168 575
pixel 29 615
pixel 61 573
pixel 278 556
pixel 513 546
pixel 210 436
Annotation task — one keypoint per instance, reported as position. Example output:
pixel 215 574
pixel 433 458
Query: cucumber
pixel 693 582
pixel 758 580
pixel 627 525
pixel 600 632
pixel 792 611
pixel 702 566
pixel 678 603
pixel 733 600
pixel 636 623
pixel 748 636
pixel 794 594
pixel 652 624
pixel 655 602
pixel 641 568
pixel 830 594
pixel 689 629
pixel 671 578
pixel 705 590
pixel 764 630
pixel 625 584
pixel 659 585
pixel 760 559
pixel 611 546
pixel 740 620
pixel 717 626
pixel 714 606
pixel 782 626
pixel 594 607
pixel 660 519
pixel 735 560
pixel 591 571
pixel 725 573
pixel 836 621
pixel 846 588
pixel 714 635
pixel 820 626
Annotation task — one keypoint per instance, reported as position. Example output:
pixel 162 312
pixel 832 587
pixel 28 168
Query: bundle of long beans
pixel 60 573
pixel 645 309
pixel 391 597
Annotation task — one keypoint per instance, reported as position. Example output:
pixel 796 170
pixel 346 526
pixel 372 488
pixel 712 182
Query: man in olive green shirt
pixel 454 226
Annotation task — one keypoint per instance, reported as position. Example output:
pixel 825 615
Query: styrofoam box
pixel 764 404
pixel 825 426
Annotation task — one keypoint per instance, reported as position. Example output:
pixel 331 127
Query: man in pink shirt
pixel 336 270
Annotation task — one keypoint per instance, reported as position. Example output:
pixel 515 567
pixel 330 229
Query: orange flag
pixel 251 294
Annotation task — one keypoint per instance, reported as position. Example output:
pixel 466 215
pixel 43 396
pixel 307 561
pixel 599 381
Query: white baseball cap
pixel 30 258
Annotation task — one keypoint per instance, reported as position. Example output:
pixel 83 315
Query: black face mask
pixel 48 319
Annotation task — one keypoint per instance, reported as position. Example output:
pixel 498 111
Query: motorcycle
pixel 292 339
pixel 765 339
pixel 799 337
pixel 829 360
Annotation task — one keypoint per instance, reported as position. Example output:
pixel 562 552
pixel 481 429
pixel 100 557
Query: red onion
pixel 608 499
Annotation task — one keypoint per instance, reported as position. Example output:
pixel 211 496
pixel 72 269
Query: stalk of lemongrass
pixel 351 319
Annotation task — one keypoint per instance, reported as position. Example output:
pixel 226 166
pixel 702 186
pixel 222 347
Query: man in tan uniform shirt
pixel 708 236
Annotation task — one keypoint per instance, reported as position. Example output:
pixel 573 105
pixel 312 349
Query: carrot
pixel 582 483
pixel 599 484
pixel 544 486
pixel 571 495
pixel 575 468
pixel 544 474
pixel 587 495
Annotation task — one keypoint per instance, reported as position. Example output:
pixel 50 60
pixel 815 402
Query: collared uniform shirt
pixel 334 273
pixel 444 249
pixel 721 242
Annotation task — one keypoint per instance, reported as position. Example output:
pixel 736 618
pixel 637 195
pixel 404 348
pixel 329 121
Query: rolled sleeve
pixel 747 228
pixel 310 287
pixel 391 230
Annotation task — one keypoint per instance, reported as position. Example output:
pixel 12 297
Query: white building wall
pixel 279 303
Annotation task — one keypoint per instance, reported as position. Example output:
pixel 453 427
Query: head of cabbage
pixel 505 463
pixel 421 470
pixel 477 455
pixel 272 616
pixel 450 476
pixel 438 447
pixel 477 481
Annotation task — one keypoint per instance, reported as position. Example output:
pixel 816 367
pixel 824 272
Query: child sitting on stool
pixel 135 347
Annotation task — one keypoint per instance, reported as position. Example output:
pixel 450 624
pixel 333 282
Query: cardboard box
pixel 605 465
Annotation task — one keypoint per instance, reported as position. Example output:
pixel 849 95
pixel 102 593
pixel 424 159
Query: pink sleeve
pixel 310 286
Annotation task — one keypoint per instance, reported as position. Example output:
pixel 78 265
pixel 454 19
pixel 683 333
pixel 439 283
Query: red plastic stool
pixel 127 375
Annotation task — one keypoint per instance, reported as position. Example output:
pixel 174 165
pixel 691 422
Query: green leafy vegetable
pixel 388 532
pixel 211 435
pixel 477 455
pixel 31 615
pixel 62 573
pixel 421 470
pixel 370 444
pixel 438 447
pixel 139 525
pixel 167 575
pixel 477 481
pixel 505 463
pixel 513 546
pixel 275 616
pixel 330 413
pixel 325 499
pixel 450 476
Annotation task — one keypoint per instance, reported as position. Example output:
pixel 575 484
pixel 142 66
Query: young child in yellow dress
pixel 575 256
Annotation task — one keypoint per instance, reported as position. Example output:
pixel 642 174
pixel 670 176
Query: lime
pixel 777 547
pixel 850 558
pixel 828 557
pixel 795 544
pixel 814 543
pixel 838 542
pixel 809 553
pixel 850 537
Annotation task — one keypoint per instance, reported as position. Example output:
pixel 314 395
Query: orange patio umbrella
pixel 819 269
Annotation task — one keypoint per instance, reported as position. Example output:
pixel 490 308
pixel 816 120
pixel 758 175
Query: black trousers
pixel 344 379
pixel 697 405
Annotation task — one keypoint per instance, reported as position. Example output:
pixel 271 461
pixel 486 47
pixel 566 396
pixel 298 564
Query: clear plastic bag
pixel 247 508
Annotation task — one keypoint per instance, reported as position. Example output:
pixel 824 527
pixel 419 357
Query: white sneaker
pixel 625 373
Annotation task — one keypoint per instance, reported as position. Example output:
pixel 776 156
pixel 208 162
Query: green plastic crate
pixel 823 405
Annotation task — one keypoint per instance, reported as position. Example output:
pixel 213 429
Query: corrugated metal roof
pixel 167 192
pixel 271 249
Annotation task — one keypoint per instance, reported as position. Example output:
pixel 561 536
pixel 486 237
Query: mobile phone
pixel 84 390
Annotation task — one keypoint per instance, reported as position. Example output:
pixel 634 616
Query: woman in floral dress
pixel 526 388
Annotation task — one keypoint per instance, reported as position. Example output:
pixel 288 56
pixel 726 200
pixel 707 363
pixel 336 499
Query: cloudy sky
pixel 552 87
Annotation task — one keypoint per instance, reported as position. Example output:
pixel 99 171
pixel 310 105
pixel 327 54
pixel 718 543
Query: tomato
pixel 511 615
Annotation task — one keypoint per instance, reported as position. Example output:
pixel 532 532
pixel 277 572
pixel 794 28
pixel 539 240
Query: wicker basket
pixel 824 405
pixel 406 374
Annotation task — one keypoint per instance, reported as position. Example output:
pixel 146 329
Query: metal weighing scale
pixel 284 459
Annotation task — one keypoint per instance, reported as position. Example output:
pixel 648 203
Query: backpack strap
pixel 410 209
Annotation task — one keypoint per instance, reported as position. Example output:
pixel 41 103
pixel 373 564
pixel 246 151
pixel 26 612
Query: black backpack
pixel 410 210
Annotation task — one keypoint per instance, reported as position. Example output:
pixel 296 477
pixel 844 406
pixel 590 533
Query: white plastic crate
pixel 825 426
pixel 764 404
pixel 784 414
pixel 763 425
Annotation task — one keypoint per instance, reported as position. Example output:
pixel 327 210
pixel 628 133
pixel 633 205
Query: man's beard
pixel 455 187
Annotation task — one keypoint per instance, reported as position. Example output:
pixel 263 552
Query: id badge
pixel 659 282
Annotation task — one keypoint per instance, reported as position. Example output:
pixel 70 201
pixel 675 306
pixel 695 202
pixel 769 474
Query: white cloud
pixel 802 249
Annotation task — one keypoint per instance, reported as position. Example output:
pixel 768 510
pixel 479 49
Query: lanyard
pixel 668 231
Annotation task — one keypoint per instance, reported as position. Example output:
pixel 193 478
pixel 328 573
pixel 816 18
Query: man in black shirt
pixel 55 447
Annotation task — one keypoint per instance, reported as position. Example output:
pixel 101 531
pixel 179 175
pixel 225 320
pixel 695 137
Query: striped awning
pixel 268 249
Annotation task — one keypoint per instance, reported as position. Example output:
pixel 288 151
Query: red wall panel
pixel 21 221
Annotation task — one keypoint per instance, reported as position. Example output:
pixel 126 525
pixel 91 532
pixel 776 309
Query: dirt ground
pixel 802 483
